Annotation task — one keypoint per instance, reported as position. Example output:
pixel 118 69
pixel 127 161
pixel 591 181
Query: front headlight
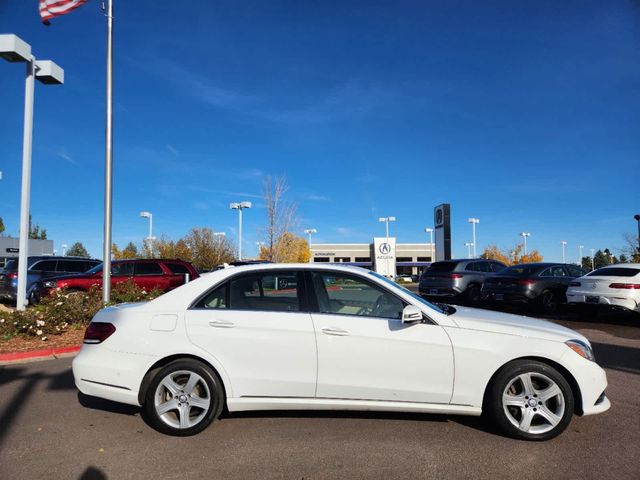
pixel 50 284
pixel 581 348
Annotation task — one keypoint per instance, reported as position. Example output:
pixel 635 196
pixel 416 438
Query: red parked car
pixel 149 274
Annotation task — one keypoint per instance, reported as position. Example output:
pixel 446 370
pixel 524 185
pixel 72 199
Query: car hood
pixel 509 324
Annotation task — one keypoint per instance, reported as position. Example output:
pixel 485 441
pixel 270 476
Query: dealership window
pixel 424 259
pixel 404 259
pixel 320 259
pixel 363 259
pixel 342 259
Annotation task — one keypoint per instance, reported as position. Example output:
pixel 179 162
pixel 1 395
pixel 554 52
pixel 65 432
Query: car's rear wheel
pixel 473 294
pixel 530 400
pixel 548 302
pixel 183 398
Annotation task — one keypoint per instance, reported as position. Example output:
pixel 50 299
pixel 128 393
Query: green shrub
pixel 64 309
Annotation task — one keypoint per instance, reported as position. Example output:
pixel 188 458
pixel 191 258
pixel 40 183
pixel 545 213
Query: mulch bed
pixel 70 338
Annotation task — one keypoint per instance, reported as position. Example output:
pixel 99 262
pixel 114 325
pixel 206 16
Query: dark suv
pixel 543 284
pixel 39 268
pixel 462 279
pixel 150 274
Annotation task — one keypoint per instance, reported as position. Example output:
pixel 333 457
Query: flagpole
pixel 108 162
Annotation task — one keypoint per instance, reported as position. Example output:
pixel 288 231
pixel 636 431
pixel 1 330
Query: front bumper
pixel 591 380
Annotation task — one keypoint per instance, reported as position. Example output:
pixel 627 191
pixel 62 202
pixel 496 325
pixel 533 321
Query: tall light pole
pixel 468 245
pixel 309 232
pixel 637 217
pixel 431 248
pixel 593 263
pixel 580 248
pixel 386 221
pixel 239 206
pixel 473 222
pixel 564 244
pixel 524 235
pixel 14 49
pixel 64 249
pixel 148 215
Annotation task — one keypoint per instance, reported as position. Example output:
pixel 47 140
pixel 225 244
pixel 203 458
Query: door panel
pixel 366 352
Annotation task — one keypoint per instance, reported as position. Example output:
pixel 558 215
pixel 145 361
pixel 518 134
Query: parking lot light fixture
pixel 149 215
pixel 386 221
pixel 64 249
pixel 580 249
pixel 219 234
pixel 474 221
pixel 524 235
pixel 15 50
pixel 309 232
pixel 593 252
pixel 468 245
pixel 430 232
pixel 239 206
pixel 564 244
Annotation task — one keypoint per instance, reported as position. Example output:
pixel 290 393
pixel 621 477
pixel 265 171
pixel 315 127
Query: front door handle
pixel 335 331
pixel 221 324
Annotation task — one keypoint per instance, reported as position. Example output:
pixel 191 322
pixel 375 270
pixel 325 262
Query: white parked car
pixel 334 338
pixel 614 285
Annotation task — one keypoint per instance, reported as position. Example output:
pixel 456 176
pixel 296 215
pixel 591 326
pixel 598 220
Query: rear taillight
pixel 455 275
pixel 527 282
pixel 98 332
pixel 12 275
pixel 575 284
pixel 626 286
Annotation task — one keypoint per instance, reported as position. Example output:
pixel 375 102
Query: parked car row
pixel 46 274
pixel 541 285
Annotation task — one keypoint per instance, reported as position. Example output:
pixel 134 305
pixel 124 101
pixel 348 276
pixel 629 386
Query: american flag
pixel 55 8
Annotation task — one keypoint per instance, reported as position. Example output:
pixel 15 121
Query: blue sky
pixel 523 114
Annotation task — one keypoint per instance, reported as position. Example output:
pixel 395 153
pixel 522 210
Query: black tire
pixel 474 295
pixel 505 417
pixel 548 302
pixel 202 418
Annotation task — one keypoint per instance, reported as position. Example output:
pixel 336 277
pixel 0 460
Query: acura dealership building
pixel 383 255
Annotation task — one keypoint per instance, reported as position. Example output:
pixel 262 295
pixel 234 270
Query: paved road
pixel 48 431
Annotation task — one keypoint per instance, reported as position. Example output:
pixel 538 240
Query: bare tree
pixel 281 215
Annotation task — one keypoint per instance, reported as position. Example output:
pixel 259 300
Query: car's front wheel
pixel 183 398
pixel 530 400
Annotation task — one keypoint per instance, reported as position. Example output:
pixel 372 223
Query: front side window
pixel 484 267
pixel 472 267
pixel 269 291
pixel 122 269
pixel 344 294
pixel 558 272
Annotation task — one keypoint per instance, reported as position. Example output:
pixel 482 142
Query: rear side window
pixel 442 267
pixel 44 266
pixel 497 267
pixel 554 272
pixel 272 291
pixel 615 272
pixel 72 266
pixel 150 268
pixel 484 267
pixel 216 298
pixel 122 269
pixel 177 268
pixel 473 267
pixel 574 270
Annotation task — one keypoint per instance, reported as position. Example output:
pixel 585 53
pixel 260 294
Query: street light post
pixel 386 221
pixel 564 244
pixel 150 238
pixel 64 249
pixel 473 222
pixel 637 217
pixel 14 49
pixel 468 245
pixel 431 249
pixel 593 250
pixel 239 206
pixel 580 248
pixel 309 232
pixel 524 235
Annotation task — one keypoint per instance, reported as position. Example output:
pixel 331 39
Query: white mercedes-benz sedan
pixel 325 337
pixel 613 286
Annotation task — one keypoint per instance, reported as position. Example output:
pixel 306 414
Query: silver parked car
pixel 457 279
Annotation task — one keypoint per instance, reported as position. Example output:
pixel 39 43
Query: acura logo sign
pixel 384 248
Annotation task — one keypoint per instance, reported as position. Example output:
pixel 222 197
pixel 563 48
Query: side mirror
pixel 411 314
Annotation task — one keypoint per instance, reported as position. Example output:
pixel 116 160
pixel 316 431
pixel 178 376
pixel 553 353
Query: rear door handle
pixel 335 331
pixel 221 324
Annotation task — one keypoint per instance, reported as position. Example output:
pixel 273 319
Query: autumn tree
pixel 208 250
pixel 167 248
pixel 512 256
pixel 281 216
pixel 1 226
pixel 77 250
pixel 632 247
pixel 35 232
pixel 289 248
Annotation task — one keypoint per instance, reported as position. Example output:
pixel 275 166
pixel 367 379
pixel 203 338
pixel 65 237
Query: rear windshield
pixel 11 265
pixel 520 270
pixel 442 267
pixel 615 272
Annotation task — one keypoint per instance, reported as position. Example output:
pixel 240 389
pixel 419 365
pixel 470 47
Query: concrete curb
pixel 36 355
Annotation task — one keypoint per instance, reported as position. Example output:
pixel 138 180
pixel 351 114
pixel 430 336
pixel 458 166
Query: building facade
pixel 410 258
pixel 9 248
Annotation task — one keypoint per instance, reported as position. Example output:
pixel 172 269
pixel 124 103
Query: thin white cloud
pixel 66 157
pixel 172 150
pixel 316 198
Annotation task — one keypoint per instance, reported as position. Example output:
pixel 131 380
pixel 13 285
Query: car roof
pixel 614 265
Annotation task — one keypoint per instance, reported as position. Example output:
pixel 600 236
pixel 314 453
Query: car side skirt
pixel 271 403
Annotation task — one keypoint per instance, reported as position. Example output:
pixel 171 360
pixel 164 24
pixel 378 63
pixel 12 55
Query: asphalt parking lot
pixel 48 431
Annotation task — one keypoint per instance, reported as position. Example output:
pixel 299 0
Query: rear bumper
pixel 115 376
pixel 439 292
pixel 604 300
pixel 507 297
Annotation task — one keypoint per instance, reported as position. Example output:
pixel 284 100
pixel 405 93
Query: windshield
pixel 614 272
pixel 94 270
pixel 407 291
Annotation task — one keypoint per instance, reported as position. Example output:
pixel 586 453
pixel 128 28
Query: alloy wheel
pixel 182 399
pixel 533 403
